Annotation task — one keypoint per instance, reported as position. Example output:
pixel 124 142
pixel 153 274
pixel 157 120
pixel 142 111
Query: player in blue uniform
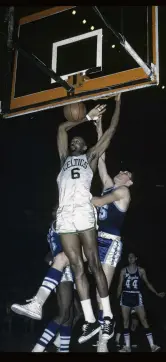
pixel 131 297
pixel 63 286
pixel 112 206
pixel 61 324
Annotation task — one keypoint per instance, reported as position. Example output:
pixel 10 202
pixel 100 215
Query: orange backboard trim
pixel 44 14
pixel 89 85
pixel 81 98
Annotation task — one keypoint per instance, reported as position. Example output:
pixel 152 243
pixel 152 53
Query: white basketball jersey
pixel 74 181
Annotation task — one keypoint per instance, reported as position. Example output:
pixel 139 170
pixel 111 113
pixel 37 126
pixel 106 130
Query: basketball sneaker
pixel 102 343
pixel 108 328
pixel 106 333
pixel 125 349
pixel 89 330
pixel 102 346
pixel 155 348
pixel 32 309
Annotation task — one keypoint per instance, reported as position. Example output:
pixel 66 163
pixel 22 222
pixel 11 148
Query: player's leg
pixel 75 314
pixel 140 310
pixel 88 239
pixel 33 309
pixel 65 315
pixel 64 302
pixel 133 328
pixel 89 242
pixel 126 317
pixel 109 254
pixel 109 273
pixel 78 313
pixel 73 249
pixel 65 333
pixel 52 278
pixel 119 328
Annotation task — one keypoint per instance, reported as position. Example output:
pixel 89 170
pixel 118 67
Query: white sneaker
pixel 38 349
pixel 33 309
pixel 125 349
pixel 102 343
pixel 102 346
pixel 155 348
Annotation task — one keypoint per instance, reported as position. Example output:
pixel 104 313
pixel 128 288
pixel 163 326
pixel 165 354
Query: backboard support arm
pixel 34 59
pixel 149 71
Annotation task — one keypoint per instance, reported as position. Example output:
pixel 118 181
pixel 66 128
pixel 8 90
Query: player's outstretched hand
pixel 161 295
pixel 96 112
pixel 95 201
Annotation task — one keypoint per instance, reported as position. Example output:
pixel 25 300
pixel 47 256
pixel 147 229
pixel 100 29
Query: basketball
pixel 74 112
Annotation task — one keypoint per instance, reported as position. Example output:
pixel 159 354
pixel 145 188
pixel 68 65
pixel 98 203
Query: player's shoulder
pixel 124 190
pixel 141 270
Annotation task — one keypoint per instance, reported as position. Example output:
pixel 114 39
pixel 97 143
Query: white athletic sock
pixel 49 284
pixel 42 295
pixel 47 336
pixel 106 307
pixel 57 341
pixel 88 311
pixel 127 338
pixel 65 335
pixel 150 339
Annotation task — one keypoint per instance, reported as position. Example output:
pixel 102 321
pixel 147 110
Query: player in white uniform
pixel 76 221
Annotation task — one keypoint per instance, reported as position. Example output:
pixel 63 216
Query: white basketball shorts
pixel 75 219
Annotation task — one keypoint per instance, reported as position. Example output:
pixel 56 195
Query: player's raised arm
pixel 104 141
pixel 105 178
pixel 62 137
pixel 118 194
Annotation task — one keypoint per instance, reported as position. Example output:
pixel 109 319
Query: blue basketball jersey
pixel 131 281
pixel 110 217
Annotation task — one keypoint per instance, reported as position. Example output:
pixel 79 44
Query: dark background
pixel 29 166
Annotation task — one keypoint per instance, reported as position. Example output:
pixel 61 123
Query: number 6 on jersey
pixel 75 173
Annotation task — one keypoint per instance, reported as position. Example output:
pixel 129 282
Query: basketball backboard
pixel 96 57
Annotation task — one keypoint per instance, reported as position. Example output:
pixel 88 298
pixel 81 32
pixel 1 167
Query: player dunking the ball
pixel 77 225
pixel 76 221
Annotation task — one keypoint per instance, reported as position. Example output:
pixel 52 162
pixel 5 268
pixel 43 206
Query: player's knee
pixel 77 267
pixel 60 261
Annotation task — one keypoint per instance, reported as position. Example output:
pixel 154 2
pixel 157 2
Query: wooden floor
pixel 19 341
